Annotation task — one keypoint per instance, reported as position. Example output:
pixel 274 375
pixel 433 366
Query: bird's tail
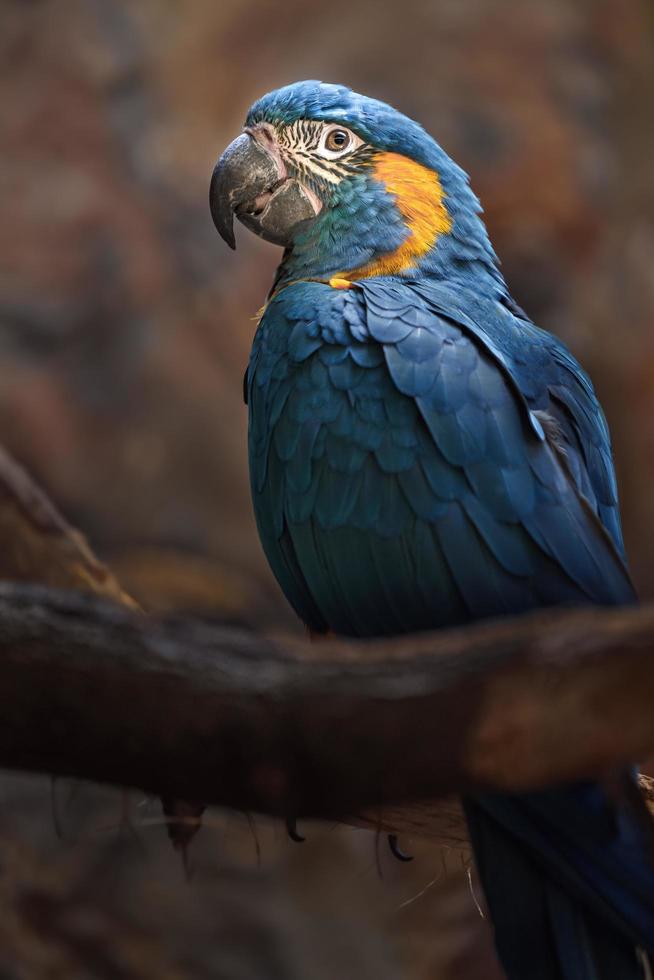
pixel 569 880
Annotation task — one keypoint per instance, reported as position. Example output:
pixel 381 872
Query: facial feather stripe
pixel 298 143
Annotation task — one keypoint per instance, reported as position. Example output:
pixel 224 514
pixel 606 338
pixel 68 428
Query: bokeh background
pixel 125 325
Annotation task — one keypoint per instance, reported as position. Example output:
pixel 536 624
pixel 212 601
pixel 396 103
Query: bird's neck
pixel 374 231
pixel 451 261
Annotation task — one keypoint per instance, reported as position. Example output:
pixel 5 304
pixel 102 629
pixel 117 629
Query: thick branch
pixel 198 711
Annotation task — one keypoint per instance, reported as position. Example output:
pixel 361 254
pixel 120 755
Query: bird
pixel 423 456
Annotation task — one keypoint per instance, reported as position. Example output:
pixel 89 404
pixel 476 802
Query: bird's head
pixel 349 186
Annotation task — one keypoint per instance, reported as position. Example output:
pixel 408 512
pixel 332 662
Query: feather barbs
pixel 420 199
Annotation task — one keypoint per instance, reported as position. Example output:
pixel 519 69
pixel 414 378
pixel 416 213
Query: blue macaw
pixel 421 456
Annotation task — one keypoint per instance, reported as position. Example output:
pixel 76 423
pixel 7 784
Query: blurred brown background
pixel 125 325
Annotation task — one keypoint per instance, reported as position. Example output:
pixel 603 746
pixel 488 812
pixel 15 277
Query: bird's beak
pixel 251 182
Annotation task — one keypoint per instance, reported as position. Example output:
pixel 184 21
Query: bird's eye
pixel 337 139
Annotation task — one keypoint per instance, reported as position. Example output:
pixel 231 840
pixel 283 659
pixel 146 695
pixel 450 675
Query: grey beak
pixel 247 182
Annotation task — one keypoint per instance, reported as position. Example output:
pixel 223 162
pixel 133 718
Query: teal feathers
pixel 388 414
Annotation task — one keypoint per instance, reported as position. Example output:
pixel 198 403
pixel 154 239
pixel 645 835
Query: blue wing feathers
pixel 385 406
pixel 446 602
pixel 366 512
pixel 336 497
pixel 420 497
pixel 507 490
pixel 509 543
pixel 299 472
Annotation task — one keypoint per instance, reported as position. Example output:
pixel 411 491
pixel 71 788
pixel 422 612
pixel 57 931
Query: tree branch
pixel 37 544
pixel 185 709
pixel 193 710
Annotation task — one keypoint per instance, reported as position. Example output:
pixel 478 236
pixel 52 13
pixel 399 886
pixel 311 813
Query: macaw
pixel 422 456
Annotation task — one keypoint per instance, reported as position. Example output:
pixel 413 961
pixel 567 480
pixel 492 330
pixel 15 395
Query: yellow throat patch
pixel 420 199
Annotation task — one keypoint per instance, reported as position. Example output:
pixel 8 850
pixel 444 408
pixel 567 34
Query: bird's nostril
pixel 263 133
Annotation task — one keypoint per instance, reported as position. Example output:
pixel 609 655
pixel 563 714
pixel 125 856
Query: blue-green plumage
pixel 422 455
pixel 394 419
